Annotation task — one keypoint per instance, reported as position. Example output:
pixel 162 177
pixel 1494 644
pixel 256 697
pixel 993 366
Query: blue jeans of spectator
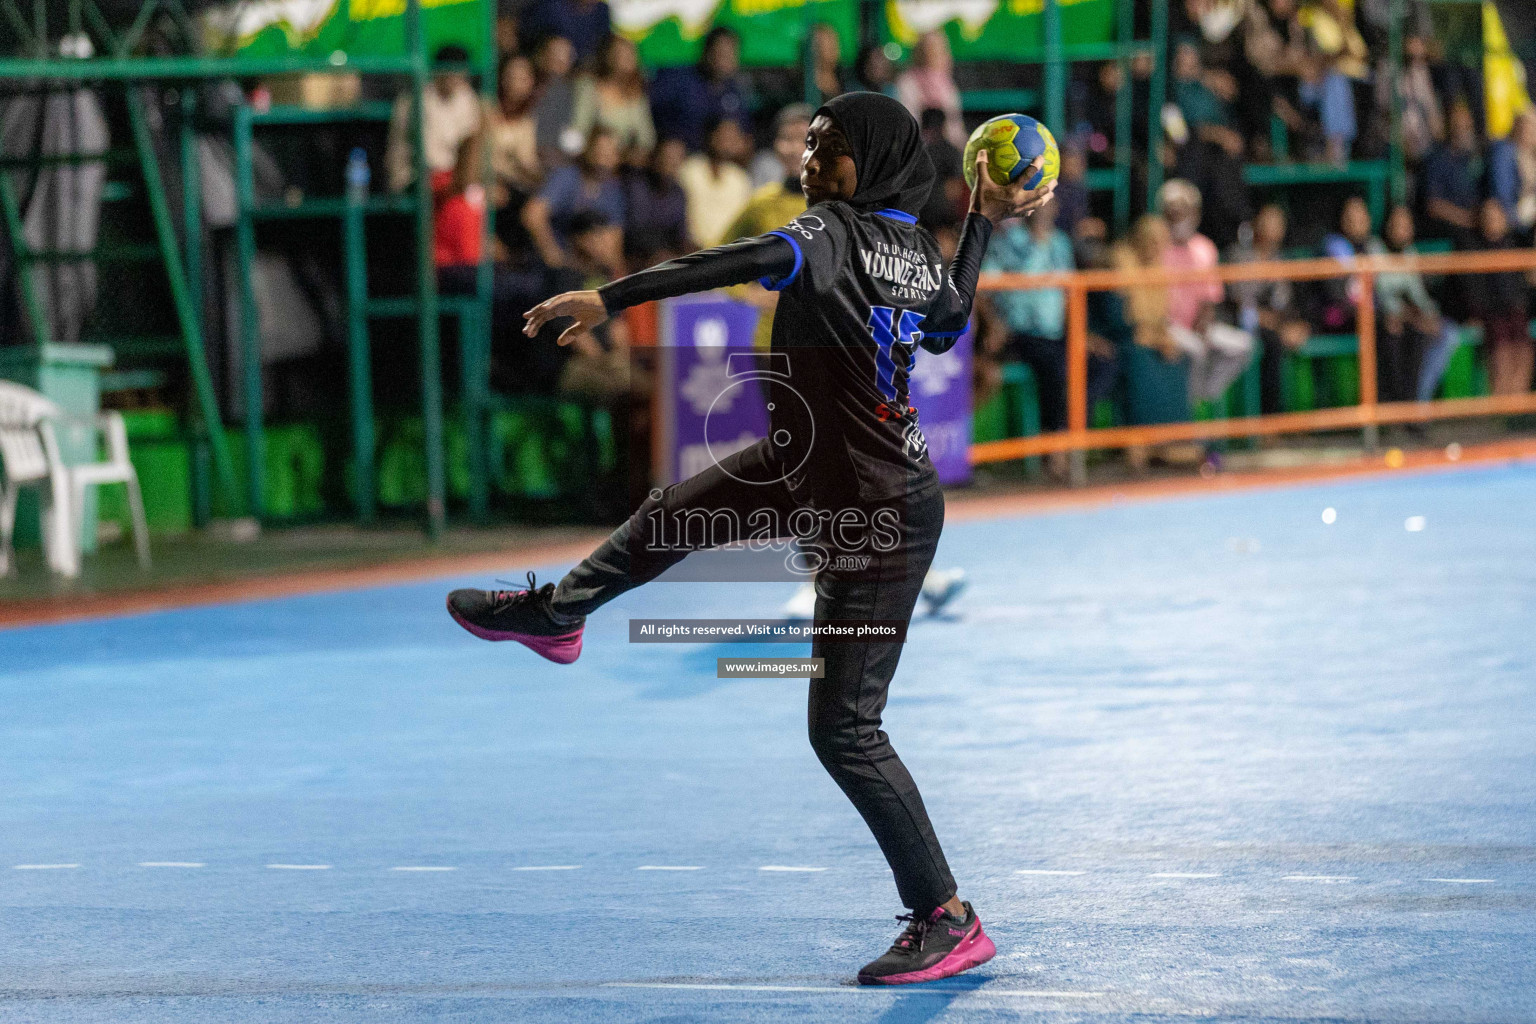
pixel 1437 356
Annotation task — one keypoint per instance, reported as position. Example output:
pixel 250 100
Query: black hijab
pixel 888 151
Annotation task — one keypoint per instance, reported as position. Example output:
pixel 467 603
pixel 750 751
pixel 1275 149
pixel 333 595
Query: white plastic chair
pixel 29 451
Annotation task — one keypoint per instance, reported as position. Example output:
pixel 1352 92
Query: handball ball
pixel 1012 142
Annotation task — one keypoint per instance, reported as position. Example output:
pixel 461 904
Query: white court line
pixel 786 867
pixel 299 867
pixel 1184 874
pixel 172 864
pixel 1319 878
pixel 1461 881
pixel 669 867
pixel 410 867
pixel 1042 993
pixel 548 867
pixel 1043 871
pixel 44 867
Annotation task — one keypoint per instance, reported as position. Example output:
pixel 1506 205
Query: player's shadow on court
pixel 920 1003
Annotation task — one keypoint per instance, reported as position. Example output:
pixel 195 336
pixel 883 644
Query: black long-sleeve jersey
pixel 859 292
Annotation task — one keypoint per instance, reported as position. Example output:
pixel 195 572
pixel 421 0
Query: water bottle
pixel 358 177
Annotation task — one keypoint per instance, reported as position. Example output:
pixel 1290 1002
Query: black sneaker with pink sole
pixel 939 945
pixel 526 616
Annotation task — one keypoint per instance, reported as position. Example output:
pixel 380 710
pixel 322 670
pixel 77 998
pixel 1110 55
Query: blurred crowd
pixel 602 166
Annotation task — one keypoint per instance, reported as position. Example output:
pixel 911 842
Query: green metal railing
pixel 39 66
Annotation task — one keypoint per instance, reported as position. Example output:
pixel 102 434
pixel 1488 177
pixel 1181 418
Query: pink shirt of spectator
pixel 1185 300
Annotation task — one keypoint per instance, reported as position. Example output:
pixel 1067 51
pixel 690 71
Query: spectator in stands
pixel 930 82
pixel 1414 343
pixel 1330 25
pixel 1071 196
pixel 686 100
pixel 772 206
pixel 1031 325
pixel 596 246
pixel 779 164
pixel 586 23
pixel 716 183
pixel 505 33
pixel 1338 297
pixel 948 198
pixel 779 201
pixel 514 139
pixel 874 72
pixel 459 217
pixel 613 96
pixel 1326 97
pixel 1094 122
pixel 598 367
pixel 1451 178
pixel 1268 308
pixel 826 53
pixel 553 59
pixel 1156 370
pixel 656 209
pixel 450 113
pixel 514 150
pixel 1512 173
pixel 1499 301
pixel 1423 118
pixel 1273 46
pixel 1206 112
pixel 458 232
pixel 590 184
pixel 1218 352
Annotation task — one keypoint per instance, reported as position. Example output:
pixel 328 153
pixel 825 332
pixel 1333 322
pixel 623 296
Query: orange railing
pixel 1365 415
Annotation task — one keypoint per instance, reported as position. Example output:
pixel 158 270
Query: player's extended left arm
pixel 768 259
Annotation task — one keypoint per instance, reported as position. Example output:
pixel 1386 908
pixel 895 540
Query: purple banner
pixel 940 387
pixel 712 403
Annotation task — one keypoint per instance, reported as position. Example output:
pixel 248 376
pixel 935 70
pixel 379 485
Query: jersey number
pixel 890 330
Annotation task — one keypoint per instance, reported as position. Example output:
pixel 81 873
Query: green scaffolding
pixel 38 29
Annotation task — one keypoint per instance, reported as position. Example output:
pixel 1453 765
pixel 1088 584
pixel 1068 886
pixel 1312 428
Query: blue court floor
pixel 1210 757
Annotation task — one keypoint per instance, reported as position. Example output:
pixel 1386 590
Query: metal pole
pixel 250 324
pixel 10 208
pixel 1055 69
pixel 1077 381
pixel 1366 329
pixel 1159 90
pixel 181 292
pixel 426 283
pixel 1399 178
pixel 359 355
pixel 1124 25
pixel 192 239
pixel 475 332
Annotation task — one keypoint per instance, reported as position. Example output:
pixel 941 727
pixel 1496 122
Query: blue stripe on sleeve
pixel 780 285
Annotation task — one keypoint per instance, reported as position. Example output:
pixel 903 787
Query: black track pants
pixel 845 705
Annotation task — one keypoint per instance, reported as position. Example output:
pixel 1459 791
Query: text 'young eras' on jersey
pixel 908 270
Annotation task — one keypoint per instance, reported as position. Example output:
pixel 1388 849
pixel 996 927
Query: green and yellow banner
pixel 997 29
pixel 322 28
pixel 669 32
